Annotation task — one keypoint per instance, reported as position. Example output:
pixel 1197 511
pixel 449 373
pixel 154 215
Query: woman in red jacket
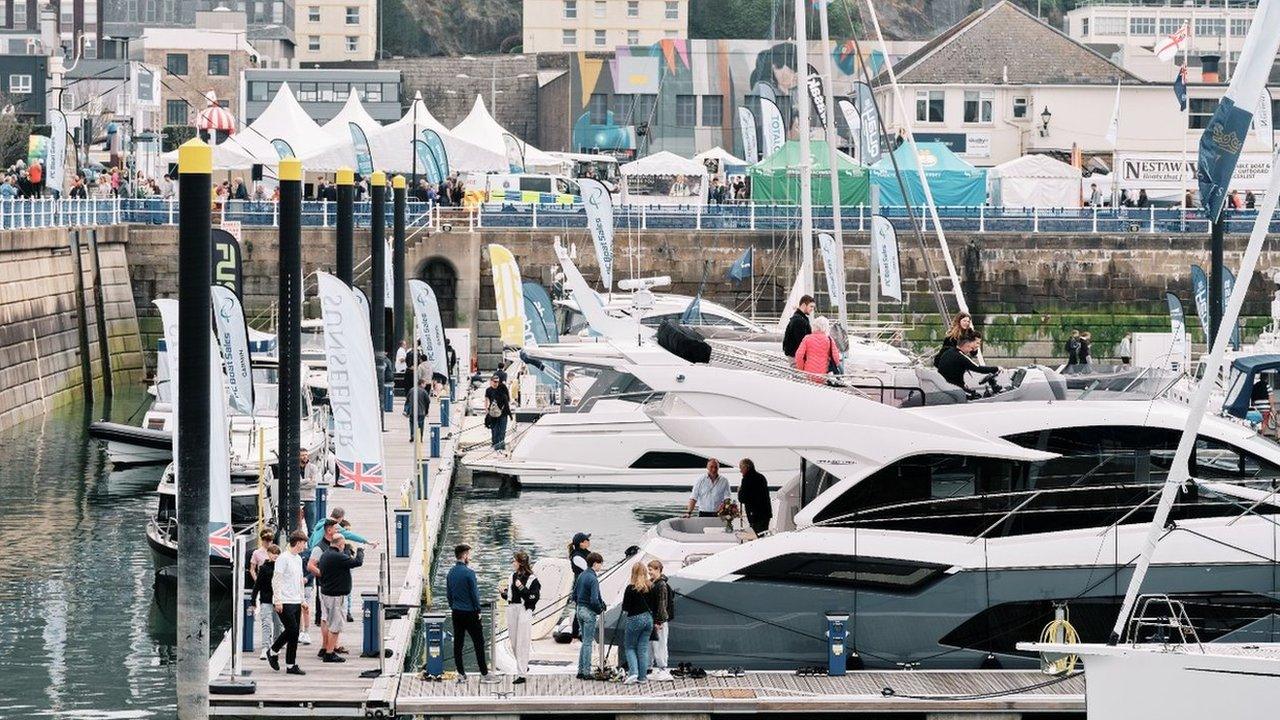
pixel 818 354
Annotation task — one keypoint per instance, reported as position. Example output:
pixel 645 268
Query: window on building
pixel 20 84
pixel 686 110
pixel 258 91
pixel 633 8
pixel 373 92
pixel 633 37
pixel 712 110
pixel 929 106
pixel 1199 110
pixel 219 64
pixel 621 105
pixel 353 43
pixel 598 109
pixel 176 63
pixel 175 112
pixel 1020 106
pixel 1240 26
pixel 569 38
pixel 598 9
pixel 673 10
pixel 978 106
pixel 645 105
pixel 570 9
pixel 670 33
pixel 353 15
pixel 1084 27
pixel 601 37
pixel 1211 27
pixel 1142 26
pixel 313 13
pixel 1108 25
pixel 1170 25
pixel 306 92
pixel 313 43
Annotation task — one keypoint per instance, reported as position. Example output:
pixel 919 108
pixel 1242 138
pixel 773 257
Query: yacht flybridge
pixel 950 529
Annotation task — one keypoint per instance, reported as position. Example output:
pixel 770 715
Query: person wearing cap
pixel 497 408
pixel 579 549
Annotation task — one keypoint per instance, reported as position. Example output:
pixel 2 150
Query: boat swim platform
pixel 979 693
pixel 337 689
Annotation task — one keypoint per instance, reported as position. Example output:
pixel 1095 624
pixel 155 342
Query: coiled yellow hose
pixel 1060 631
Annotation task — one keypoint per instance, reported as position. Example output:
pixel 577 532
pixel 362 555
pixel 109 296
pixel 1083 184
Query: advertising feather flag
pixel 354 390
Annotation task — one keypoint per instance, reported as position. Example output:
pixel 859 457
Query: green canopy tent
pixel 776 179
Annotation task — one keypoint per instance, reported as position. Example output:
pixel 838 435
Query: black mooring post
pixel 399 201
pixel 1215 278
pixel 378 269
pixel 195 168
pixel 289 337
pixel 345 259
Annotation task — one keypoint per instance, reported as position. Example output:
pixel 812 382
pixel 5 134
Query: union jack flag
pixel 365 477
pixel 220 540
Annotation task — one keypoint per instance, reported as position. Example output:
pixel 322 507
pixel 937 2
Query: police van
pixel 527 188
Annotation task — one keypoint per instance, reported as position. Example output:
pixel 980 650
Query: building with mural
pixel 681 95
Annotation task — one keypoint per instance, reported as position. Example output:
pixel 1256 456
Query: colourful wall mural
pixel 681 95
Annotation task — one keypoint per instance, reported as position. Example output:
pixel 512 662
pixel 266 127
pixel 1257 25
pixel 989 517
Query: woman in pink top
pixel 818 352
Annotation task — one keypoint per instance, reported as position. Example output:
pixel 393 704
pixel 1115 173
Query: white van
pixel 521 188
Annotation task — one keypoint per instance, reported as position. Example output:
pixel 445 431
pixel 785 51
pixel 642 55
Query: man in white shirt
pixel 286 587
pixel 709 493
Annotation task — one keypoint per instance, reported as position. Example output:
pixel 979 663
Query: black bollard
pixel 398 209
pixel 195 168
pixel 345 259
pixel 378 270
pixel 289 337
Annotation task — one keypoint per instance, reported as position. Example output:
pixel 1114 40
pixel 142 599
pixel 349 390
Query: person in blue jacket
pixel 586 594
pixel 464 600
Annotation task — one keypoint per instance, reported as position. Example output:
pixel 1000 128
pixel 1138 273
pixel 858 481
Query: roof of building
pixel 193 39
pixel 1006 44
pixel 88 69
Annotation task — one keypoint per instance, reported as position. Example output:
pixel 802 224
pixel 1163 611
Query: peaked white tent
pixel 479 128
pixel 1035 181
pixel 725 162
pixel 392 148
pixel 284 119
pixel 352 111
pixel 664 178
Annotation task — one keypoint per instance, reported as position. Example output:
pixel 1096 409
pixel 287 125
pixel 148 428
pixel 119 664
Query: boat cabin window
pixel 669 460
pixel 572 321
pixel 816 481
pixel 1101 478
pixel 843 571
pixel 707 319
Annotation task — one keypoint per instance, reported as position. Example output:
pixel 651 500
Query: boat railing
pixel 1161 619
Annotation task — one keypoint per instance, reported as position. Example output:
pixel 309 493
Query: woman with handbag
pixel 818 354
pixel 522 596
pixel 497 408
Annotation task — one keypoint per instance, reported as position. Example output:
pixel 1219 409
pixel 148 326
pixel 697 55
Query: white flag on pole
pixel 233 336
pixel 1113 127
pixel 599 205
pixel 833 268
pixel 884 245
pixel 426 311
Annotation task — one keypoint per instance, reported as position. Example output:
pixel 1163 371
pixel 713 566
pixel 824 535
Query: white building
pixel 571 25
pixel 1127 31
pixel 334 31
pixel 1001 84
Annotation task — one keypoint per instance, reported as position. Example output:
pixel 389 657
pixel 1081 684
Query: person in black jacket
pixel 798 326
pixel 261 600
pixel 579 550
pixel 497 405
pixel 753 493
pixel 522 595
pixel 335 585
pixel 955 362
pixel 662 600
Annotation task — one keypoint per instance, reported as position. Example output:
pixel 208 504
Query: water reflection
pixel 83 633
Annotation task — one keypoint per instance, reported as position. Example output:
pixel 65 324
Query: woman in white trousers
pixel 522 595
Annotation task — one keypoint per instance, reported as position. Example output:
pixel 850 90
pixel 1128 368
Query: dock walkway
pixel 337 689
pixel 913 691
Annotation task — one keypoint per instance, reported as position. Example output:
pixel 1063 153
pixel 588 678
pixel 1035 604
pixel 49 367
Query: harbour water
pixel 85 632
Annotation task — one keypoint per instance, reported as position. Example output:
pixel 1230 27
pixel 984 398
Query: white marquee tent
pixel 727 162
pixel 282 120
pixel 391 147
pixel 479 128
pixel 1034 181
pixel 664 178
pixel 352 111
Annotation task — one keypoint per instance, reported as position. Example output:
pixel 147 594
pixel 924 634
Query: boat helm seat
pixel 694 530
pixel 934 389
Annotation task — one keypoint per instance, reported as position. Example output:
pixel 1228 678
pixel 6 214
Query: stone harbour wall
pixel 41 349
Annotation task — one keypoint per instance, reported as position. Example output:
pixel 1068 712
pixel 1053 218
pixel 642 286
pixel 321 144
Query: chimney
pixel 49 35
pixel 1209 69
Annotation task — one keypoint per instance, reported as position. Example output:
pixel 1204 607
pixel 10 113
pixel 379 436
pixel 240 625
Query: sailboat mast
pixel 828 97
pixel 806 161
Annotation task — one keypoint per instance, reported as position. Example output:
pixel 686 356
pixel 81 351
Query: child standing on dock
pixel 464 600
pixel 586 594
pixel 638 625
